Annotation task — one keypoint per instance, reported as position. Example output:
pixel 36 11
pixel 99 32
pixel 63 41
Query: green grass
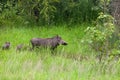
pixel 76 61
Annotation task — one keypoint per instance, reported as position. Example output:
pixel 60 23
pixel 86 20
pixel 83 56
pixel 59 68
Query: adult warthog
pixel 51 43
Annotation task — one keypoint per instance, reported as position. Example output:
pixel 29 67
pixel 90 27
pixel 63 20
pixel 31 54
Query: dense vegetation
pixel 93 40
pixel 49 11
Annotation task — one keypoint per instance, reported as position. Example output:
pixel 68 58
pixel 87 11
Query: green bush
pixel 99 36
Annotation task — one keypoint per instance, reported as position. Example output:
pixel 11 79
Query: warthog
pixel 51 43
pixel 22 47
pixel 6 45
pixel 19 47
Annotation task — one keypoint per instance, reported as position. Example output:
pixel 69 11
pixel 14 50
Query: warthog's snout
pixel 63 42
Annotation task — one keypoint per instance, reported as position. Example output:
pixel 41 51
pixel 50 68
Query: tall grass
pixel 75 61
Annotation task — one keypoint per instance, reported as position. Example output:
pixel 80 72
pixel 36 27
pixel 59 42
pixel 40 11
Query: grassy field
pixel 76 61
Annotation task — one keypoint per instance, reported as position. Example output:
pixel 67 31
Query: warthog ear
pixel 57 36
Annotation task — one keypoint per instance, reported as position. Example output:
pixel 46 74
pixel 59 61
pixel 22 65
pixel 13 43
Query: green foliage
pixel 8 15
pixel 72 12
pixel 103 4
pixel 99 36
pixel 49 11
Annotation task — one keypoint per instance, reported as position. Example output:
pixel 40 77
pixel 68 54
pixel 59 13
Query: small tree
pixel 99 36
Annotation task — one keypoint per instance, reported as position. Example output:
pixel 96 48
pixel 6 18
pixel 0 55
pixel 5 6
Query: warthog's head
pixel 60 41
pixel 6 45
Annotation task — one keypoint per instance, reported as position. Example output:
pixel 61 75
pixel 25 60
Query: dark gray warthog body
pixel 19 47
pixel 6 45
pixel 51 43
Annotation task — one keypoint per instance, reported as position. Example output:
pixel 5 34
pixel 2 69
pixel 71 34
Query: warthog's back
pixel 41 41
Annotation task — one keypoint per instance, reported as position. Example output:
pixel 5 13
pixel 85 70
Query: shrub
pixel 99 37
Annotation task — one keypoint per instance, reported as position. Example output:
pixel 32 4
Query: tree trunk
pixel 115 12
